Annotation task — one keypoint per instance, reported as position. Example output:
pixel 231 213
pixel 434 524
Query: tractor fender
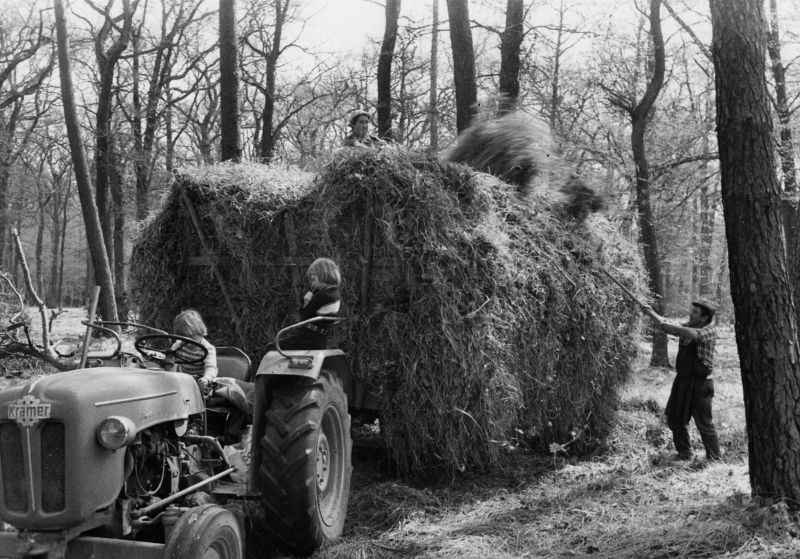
pixel 305 363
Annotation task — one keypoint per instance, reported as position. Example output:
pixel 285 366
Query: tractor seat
pixel 232 362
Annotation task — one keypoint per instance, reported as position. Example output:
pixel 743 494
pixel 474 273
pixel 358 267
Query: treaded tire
pixel 305 469
pixel 207 530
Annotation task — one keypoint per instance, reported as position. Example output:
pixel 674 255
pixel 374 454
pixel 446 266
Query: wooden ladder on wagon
pixel 210 260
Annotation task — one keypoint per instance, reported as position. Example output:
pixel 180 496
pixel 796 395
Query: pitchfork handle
pixel 627 291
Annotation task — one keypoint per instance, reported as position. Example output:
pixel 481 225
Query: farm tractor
pixel 124 459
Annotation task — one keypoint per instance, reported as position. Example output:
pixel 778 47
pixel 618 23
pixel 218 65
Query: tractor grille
pixel 53 471
pixel 13 464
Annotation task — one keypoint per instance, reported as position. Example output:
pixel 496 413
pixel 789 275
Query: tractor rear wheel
pixel 305 468
pixel 205 532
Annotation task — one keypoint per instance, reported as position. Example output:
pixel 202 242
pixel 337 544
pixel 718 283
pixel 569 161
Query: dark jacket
pixel 324 302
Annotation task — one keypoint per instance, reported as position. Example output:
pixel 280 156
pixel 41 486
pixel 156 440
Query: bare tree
pixel 761 287
pixel 231 147
pixel 434 88
pixel 791 196
pixel 59 177
pixel 510 44
pixel 199 110
pixel 463 62
pixel 638 113
pixel 267 147
pixel 178 19
pixel 555 93
pixel 94 233
pixel 384 107
pixel 786 145
pixel 260 72
pixel 22 72
pixel 107 59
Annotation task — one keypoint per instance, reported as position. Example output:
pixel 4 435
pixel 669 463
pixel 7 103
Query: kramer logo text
pixel 28 411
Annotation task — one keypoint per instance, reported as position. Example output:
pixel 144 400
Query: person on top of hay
pixel 693 388
pixel 322 300
pixel 359 132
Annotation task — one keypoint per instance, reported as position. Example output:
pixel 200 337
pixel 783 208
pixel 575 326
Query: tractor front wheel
pixel 205 532
pixel 305 468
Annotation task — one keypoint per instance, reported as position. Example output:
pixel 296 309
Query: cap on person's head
pixel 356 116
pixel 707 306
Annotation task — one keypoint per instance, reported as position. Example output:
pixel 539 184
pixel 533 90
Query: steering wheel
pixel 157 347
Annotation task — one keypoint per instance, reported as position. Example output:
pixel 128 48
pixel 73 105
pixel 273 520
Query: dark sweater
pixel 324 302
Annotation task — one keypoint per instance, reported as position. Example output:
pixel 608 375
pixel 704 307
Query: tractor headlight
pixel 115 432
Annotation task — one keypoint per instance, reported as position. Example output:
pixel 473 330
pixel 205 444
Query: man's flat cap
pixel 706 305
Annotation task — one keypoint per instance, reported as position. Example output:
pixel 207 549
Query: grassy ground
pixel 631 502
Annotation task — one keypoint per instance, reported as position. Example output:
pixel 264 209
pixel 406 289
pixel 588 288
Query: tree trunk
pixel 94 234
pixel 433 109
pixel 791 197
pixel 786 146
pixel 118 206
pixel 510 43
pixel 144 141
pixel 695 251
pixel 384 108
pixel 55 246
pixel 60 298
pixel 38 252
pixel 140 160
pixel 555 81
pixel 169 137
pixel 4 184
pixel 102 134
pixel 708 210
pixel 230 144
pixel 268 139
pixel 106 63
pixel 766 326
pixel 644 208
pixel 206 146
pixel 463 62
pixel 15 264
pixel 7 130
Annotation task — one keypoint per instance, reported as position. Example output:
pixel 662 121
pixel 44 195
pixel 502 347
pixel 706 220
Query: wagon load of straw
pixel 480 320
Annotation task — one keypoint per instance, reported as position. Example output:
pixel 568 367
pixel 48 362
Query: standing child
pixel 189 324
pixel 323 300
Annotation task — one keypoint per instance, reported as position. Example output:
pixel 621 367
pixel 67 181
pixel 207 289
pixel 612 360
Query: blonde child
pixel 322 300
pixel 189 324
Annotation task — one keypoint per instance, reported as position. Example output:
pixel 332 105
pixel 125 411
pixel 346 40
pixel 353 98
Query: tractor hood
pixel 145 396
pixel 54 473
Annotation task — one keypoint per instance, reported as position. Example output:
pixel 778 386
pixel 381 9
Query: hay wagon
pixel 476 320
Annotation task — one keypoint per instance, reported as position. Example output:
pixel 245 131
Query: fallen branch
pixel 17 316
pixel 13 346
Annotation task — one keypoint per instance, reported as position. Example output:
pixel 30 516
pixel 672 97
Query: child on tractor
pixel 322 300
pixel 189 324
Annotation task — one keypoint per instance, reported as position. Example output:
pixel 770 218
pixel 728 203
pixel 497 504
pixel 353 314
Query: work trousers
pixel 691 399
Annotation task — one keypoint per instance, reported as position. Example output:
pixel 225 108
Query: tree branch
pixel 685 26
pixel 47 350
pixel 654 86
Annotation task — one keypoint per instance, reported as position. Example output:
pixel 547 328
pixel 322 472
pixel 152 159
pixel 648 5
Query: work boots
pixel 711 442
